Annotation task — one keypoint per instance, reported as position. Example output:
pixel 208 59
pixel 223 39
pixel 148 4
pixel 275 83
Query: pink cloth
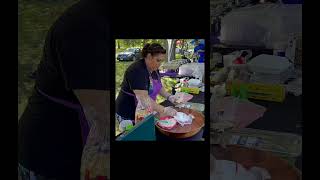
pixel 241 112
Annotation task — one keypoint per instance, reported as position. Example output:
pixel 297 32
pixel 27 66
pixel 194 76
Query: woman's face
pixel 154 62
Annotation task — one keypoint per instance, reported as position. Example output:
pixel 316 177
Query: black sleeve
pixel 137 79
pixel 84 57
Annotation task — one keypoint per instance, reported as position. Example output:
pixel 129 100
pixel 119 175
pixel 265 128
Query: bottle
pixel 243 92
pixel 241 58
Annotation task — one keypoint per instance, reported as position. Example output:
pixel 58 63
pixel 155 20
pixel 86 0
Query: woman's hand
pixel 169 111
pixel 173 99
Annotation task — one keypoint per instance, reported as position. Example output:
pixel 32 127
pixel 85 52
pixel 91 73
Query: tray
pixel 185 131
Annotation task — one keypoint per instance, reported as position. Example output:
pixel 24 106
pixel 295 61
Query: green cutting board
pixel 143 131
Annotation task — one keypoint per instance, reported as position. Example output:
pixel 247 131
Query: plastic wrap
pixel 183 97
pixel 261 25
pixel 195 106
pixel 241 112
pixel 192 69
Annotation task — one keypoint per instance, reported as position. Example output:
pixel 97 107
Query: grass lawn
pixel 121 67
pixel 34 19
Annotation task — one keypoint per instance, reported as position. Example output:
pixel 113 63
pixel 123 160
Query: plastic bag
pixel 218 92
pixel 198 71
pixel 183 97
pixel 220 76
pixel 295 87
pixel 186 69
pixel 241 112
pixel 194 106
pixel 125 125
pixel 194 83
pixel 261 25
pixel 192 69
pixel 183 119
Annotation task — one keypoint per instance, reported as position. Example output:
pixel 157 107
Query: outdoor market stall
pixel 256 86
pixel 273 120
pixel 184 79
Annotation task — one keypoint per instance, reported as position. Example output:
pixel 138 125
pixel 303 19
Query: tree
pixel 166 45
pixel 144 42
pixel 118 41
pixel 171 49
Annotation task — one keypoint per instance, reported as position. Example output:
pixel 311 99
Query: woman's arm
pixel 164 93
pixel 95 156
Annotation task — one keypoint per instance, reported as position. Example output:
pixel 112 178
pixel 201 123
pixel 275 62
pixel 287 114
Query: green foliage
pixel 128 43
pixel 120 70
pixel 178 56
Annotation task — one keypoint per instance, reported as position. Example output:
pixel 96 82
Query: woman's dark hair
pixel 153 49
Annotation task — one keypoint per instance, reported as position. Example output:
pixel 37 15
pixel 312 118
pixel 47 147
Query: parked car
pixel 131 54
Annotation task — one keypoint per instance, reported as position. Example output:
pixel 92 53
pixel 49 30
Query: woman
pixel 64 128
pixel 142 82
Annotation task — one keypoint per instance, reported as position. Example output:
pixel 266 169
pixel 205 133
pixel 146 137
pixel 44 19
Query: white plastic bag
pixel 261 25
pixel 183 119
pixel 186 69
pixel 194 83
pixel 295 87
pixel 270 64
pixel 192 69
pixel 123 124
pixel 198 71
